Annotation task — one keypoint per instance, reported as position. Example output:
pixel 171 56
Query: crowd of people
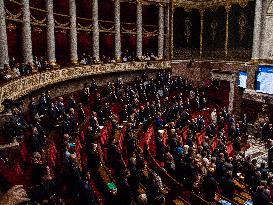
pixel 63 161
pixel 15 69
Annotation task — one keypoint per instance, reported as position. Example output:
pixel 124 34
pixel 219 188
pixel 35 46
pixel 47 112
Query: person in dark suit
pixel 61 107
pixel 265 131
pixel 210 187
pixel 48 97
pixel 71 103
pixel 227 185
pixel 270 156
pixel 270 132
pixel 53 115
pixel 86 193
pixel 37 168
pixel 81 113
pixel 85 95
pixel 43 106
pixel 37 140
pixel 73 120
pixel 125 193
pixel 72 172
pixel 33 109
pixel 262 195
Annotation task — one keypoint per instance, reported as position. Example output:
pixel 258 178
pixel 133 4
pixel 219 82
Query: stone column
pixel 117 31
pixel 96 31
pixel 257 30
pixel 26 34
pixel 73 32
pixel 160 31
pixel 4 56
pixel 167 26
pixel 50 33
pixel 139 30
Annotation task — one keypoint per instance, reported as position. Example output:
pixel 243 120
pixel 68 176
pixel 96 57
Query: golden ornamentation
pixel 75 62
pixel 106 29
pixel 243 3
pixel 119 59
pixel 213 26
pixel 34 20
pixel 128 30
pixel 11 26
pixel 54 64
pixel 20 87
pixel 242 23
pixel 90 27
pixel 188 26
pixel 62 25
pixel 149 33
pixel 37 29
pixel 11 15
pixel 270 8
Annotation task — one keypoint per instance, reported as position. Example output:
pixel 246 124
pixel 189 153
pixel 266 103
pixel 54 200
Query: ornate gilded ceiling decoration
pixel 197 4
pixel 270 8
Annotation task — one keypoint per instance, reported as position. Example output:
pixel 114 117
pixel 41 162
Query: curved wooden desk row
pixel 21 86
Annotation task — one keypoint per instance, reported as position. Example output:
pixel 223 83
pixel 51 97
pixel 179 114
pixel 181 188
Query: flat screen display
pixel 242 79
pixel 264 79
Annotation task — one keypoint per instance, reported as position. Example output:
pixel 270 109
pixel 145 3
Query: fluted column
pixel 160 31
pixel 50 33
pixel 257 30
pixel 73 32
pixel 139 30
pixel 4 57
pixel 26 34
pixel 117 31
pixel 167 34
pixel 96 31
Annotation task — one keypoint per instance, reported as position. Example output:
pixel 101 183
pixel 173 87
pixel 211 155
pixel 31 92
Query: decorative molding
pixel 27 84
pixel 231 78
pixel 270 8
pixel 250 94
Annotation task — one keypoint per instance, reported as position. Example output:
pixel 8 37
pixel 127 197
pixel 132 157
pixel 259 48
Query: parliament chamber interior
pixel 136 102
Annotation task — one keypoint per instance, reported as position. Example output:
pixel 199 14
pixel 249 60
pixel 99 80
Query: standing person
pixel 270 156
pixel 210 186
pixel 213 116
pixel 86 193
pixel 81 113
pixel 33 110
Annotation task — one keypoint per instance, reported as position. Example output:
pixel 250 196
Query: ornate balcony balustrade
pixel 19 87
